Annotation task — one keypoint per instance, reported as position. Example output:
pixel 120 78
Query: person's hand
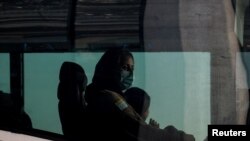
pixel 153 123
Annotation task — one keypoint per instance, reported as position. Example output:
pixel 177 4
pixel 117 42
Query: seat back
pixel 71 104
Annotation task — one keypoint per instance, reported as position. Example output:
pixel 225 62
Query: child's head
pixel 139 100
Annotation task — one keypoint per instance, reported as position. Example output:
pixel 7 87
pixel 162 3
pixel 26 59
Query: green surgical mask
pixel 126 79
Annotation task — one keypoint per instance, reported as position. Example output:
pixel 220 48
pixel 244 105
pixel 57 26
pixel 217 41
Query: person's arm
pixel 135 126
pixel 123 106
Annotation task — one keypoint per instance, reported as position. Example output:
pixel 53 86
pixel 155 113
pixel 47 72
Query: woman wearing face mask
pixel 113 74
pixel 109 116
pixel 114 71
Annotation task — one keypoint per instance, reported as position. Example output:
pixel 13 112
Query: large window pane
pixel 178 83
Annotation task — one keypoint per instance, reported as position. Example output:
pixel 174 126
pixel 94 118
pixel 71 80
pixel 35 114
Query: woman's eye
pixel 124 67
pixel 127 68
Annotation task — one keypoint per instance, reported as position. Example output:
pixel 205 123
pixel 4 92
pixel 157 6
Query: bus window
pixel 169 83
pixel 41 78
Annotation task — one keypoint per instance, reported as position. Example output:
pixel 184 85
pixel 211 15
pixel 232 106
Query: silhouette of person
pixel 11 116
pixel 140 101
pixel 110 117
pixel 71 105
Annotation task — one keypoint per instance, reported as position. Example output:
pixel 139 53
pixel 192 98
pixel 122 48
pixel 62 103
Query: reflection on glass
pixel 33 20
pixel 107 23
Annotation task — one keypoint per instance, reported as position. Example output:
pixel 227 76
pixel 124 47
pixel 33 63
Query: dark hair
pixel 107 69
pixel 138 99
pixel 72 79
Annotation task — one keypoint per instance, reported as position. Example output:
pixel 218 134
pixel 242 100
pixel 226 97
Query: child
pixel 140 101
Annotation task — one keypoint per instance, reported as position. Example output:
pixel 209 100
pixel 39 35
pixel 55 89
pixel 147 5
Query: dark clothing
pixel 103 116
pixel 110 118
pixel 107 122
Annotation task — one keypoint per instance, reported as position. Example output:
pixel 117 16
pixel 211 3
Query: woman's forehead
pixel 127 59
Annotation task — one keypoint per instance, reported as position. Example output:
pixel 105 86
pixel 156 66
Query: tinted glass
pixel 4 73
